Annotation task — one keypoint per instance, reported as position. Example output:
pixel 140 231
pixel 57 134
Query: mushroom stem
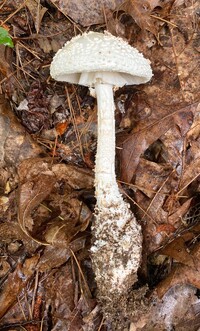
pixel 107 191
pixel 116 249
pixel 102 60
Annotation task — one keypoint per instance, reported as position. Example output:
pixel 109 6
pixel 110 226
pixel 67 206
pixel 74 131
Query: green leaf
pixel 5 38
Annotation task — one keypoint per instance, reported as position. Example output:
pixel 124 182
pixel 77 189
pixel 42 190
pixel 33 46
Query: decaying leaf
pixel 61 294
pixel 75 177
pixel 178 310
pixel 151 177
pixel 37 11
pixel 61 233
pixel 140 11
pixel 5 69
pixel 86 12
pixel 178 251
pixel 38 177
pixel 176 218
pixel 16 282
pixel 53 257
pixel 192 166
pixel 35 114
pixel 182 274
pixel 144 134
pixel 174 72
pixel 30 195
pixel 137 143
pixel 16 144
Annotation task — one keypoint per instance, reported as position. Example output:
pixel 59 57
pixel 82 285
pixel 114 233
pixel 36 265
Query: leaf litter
pixel 48 142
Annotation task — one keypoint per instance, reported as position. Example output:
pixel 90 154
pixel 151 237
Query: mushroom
pixel 104 62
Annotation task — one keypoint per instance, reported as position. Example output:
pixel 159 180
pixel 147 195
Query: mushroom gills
pixel 117 79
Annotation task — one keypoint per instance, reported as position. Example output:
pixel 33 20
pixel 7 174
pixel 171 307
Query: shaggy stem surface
pixel 116 250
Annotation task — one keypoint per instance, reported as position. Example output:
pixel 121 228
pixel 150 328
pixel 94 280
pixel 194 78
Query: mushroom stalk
pixel 116 250
pixel 102 61
pixel 107 192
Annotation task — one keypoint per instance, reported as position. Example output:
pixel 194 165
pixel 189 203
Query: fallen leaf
pixel 16 282
pixel 191 170
pixel 36 116
pixel 174 139
pixel 74 217
pixel 60 292
pixel 60 233
pixel 137 142
pixel 16 144
pixel 176 218
pixel 30 195
pixel 5 69
pixel 167 228
pixel 194 131
pixel 77 178
pixel 37 12
pixel 178 251
pixel 159 3
pixel 140 11
pixel 144 134
pixel 178 309
pixel 182 274
pixel 87 12
pixel 61 127
pixel 31 168
pixel 54 257
pixel 151 177
pixel 63 216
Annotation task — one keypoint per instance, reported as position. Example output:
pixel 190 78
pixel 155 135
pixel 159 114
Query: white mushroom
pixel 103 62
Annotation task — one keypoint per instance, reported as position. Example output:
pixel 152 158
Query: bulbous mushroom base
pixel 116 255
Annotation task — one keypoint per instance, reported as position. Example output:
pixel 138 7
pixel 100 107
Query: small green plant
pixel 5 38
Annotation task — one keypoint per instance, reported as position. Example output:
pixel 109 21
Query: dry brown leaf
pixel 174 86
pixel 176 217
pixel 74 218
pixel 16 282
pixel 30 195
pixel 151 176
pixel 64 216
pixel 147 132
pixel 178 310
pixel 75 177
pixel 31 168
pixel 178 251
pixel 60 292
pixel 194 131
pixel 5 69
pixel 16 144
pixel 140 11
pixel 37 12
pixel 55 257
pixel 174 139
pixel 158 3
pixel 137 142
pixel 182 274
pixel 10 230
pixel 86 12
pixel 60 234
pixel 191 170
pixel 153 217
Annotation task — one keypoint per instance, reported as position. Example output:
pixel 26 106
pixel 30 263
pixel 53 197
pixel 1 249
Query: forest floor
pixel 48 133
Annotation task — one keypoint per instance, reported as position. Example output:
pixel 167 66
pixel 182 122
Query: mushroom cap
pixel 101 57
